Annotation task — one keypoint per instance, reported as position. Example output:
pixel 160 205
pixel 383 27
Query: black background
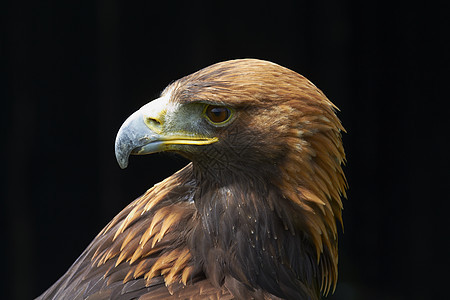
pixel 75 70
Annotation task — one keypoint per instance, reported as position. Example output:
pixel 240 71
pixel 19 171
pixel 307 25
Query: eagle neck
pixel 246 231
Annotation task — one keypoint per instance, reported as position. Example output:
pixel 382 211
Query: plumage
pixel 252 216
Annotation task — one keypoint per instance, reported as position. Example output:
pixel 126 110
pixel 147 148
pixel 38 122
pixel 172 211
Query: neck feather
pixel 250 228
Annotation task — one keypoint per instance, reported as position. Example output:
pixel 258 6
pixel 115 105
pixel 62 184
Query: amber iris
pixel 217 114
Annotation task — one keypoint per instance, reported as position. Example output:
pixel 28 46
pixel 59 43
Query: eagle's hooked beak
pixel 144 133
pixel 133 137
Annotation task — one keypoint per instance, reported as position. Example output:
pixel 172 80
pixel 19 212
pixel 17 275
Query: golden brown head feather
pixel 254 214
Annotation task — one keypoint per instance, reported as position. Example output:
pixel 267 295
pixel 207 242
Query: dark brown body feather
pixel 253 216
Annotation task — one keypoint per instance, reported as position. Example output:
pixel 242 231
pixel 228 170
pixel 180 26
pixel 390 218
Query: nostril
pixel 153 123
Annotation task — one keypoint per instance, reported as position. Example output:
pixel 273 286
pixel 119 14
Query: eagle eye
pixel 217 115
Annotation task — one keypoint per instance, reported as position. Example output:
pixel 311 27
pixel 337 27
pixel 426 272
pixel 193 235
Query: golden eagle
pixel 253 216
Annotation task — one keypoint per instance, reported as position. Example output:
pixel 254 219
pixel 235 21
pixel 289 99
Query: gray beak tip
pixel 122 153
pixel 132 135
pixel 123 164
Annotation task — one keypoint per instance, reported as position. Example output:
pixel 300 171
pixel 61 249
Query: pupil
pixel 218 114
pixel 217 111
